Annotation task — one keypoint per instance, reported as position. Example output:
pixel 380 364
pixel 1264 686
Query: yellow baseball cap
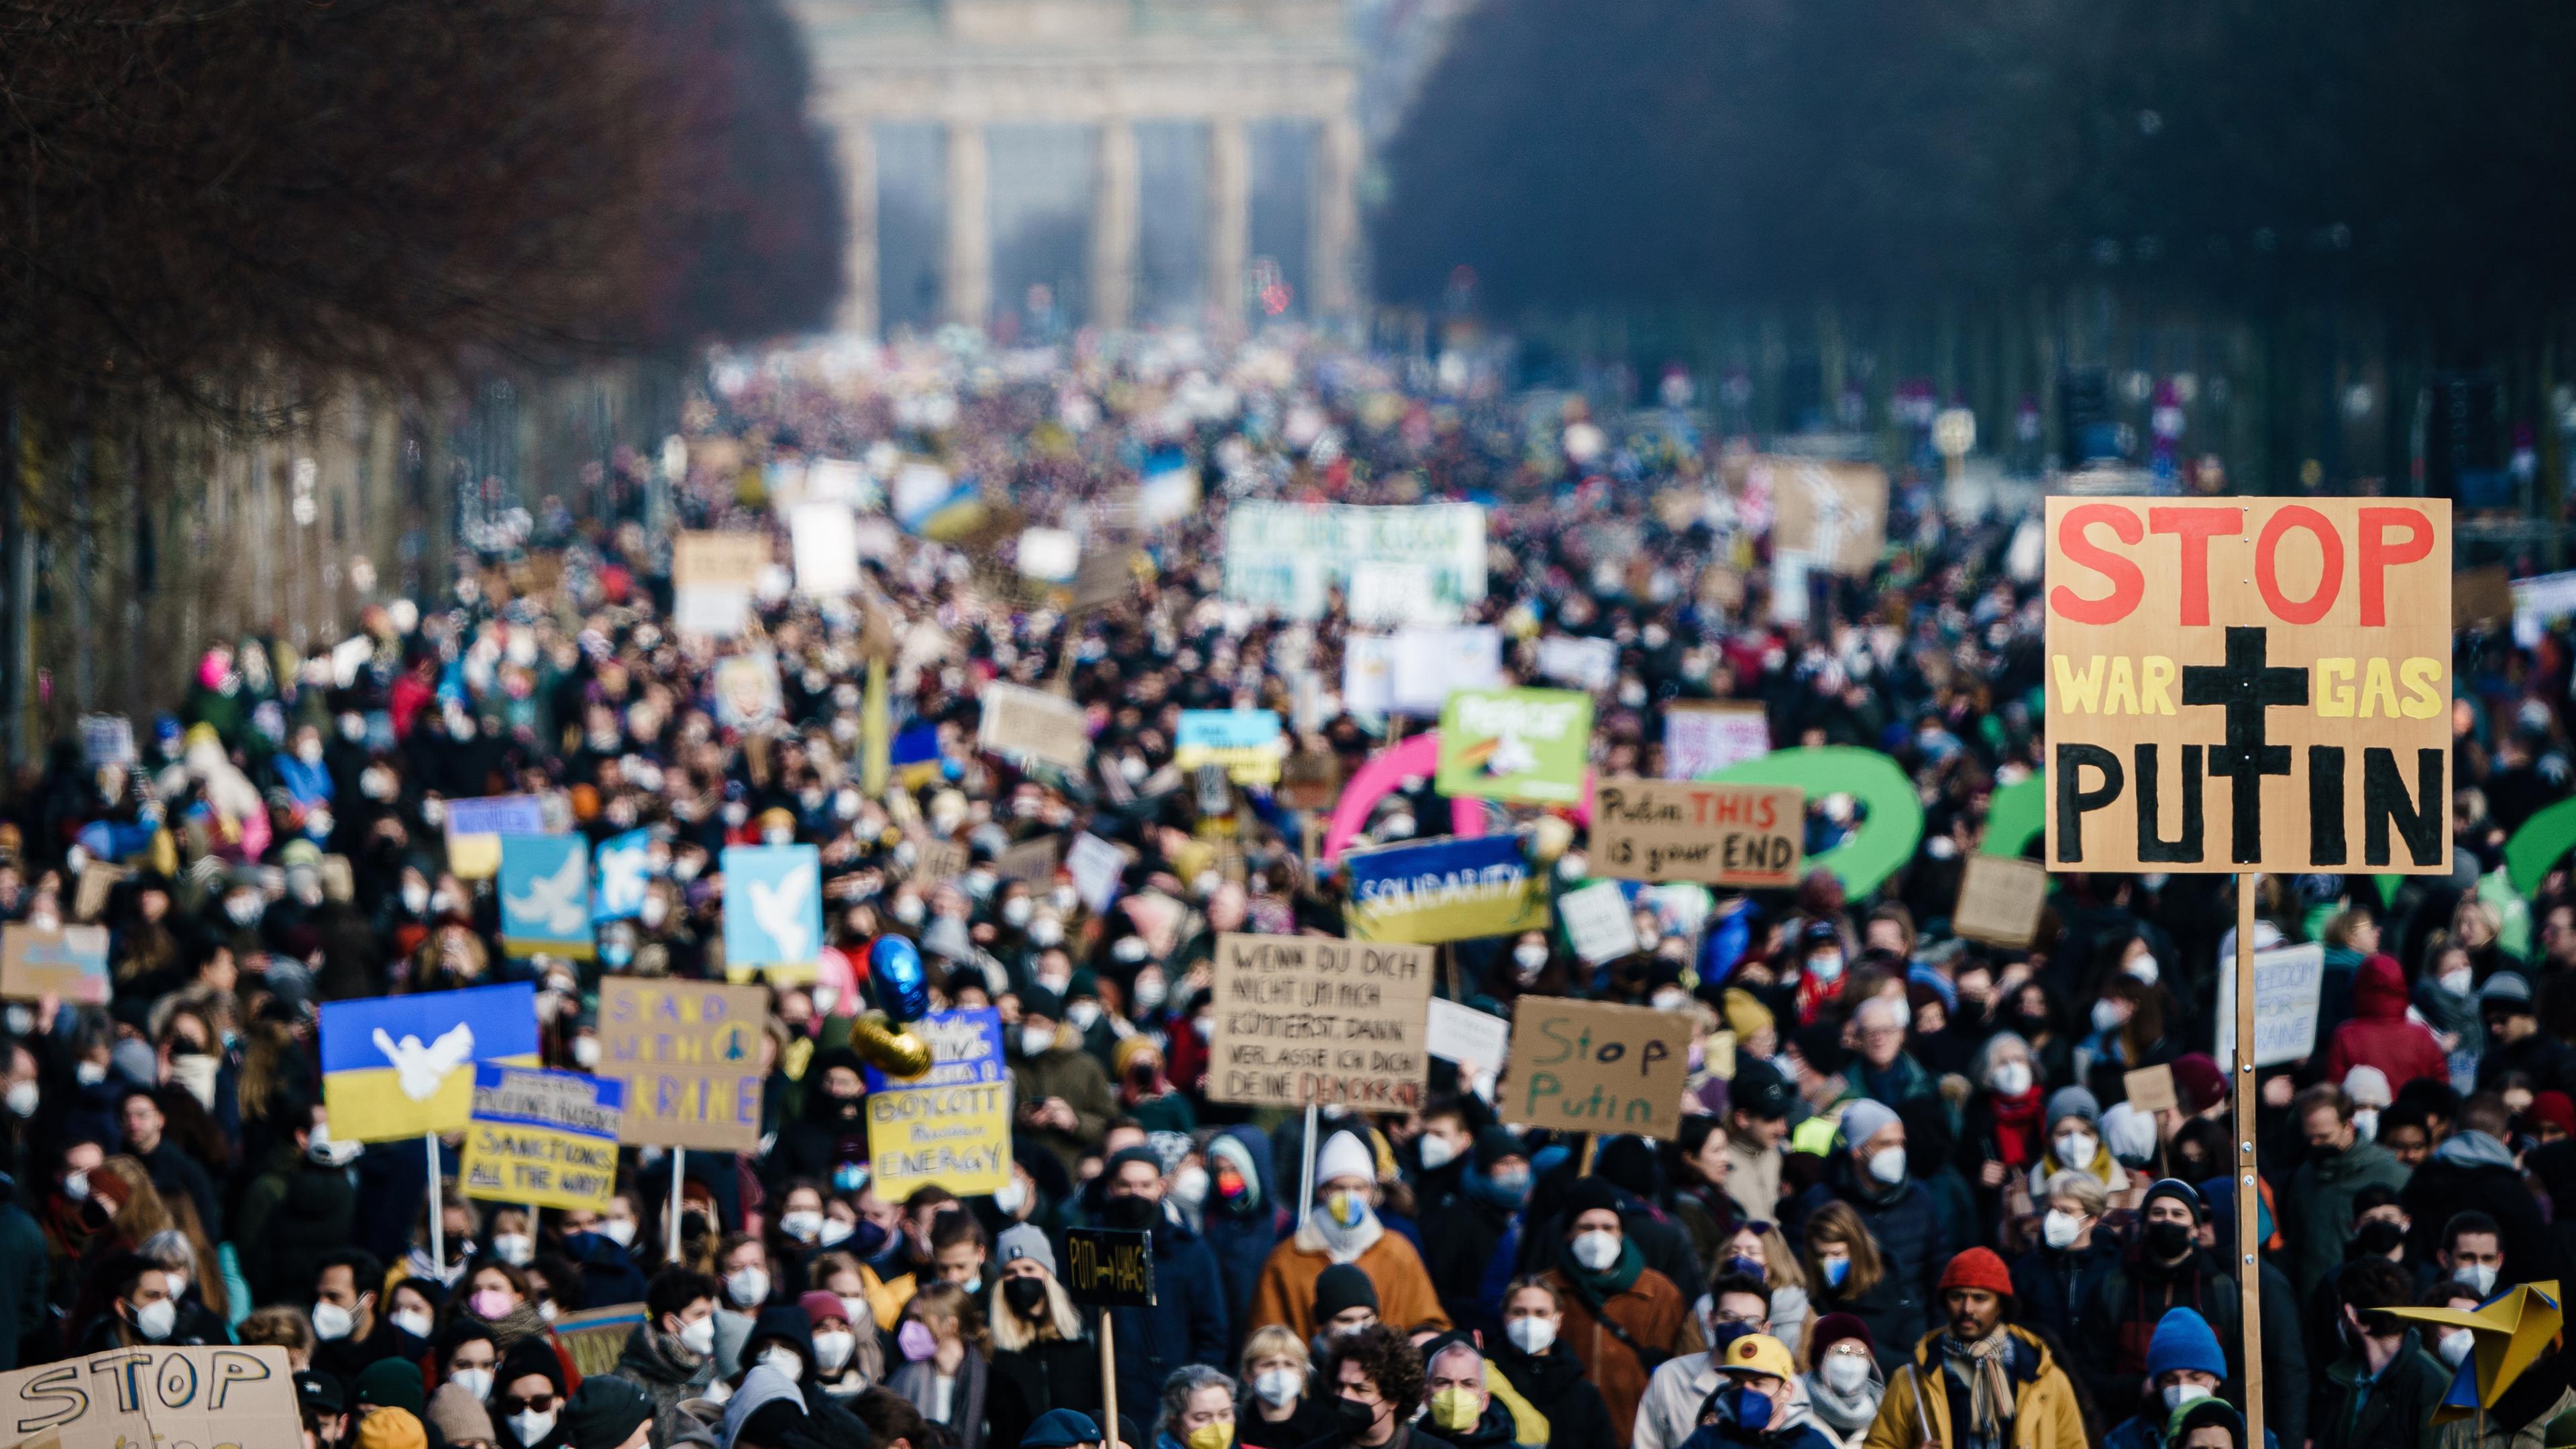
pixel 1759 1353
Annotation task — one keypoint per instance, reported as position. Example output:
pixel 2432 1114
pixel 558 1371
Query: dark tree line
pixel 2243 152
pixel 218 199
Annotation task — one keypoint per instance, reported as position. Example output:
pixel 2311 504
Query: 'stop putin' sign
pixel 2249 684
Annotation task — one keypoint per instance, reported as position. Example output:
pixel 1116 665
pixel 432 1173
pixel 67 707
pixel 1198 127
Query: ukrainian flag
pixel 402 1066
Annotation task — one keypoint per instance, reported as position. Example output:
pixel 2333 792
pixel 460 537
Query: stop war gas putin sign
pixel 2249 684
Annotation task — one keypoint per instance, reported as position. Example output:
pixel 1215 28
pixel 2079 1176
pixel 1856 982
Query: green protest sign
pixel 1515 744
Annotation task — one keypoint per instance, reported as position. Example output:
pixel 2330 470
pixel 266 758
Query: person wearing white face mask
pixel 2184 1364
pixel 1543 1368
pixel 1845 1385
pixel 1063 1095
pixel 672 1353
pixel 2046 1279
pixel 141 1312
pixel 2472 1251
pixel 1612 1301
pixel 1868 1178
pixel 2074 1140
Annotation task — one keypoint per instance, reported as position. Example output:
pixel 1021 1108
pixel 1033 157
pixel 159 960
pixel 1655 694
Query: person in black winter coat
pixel 1544 1371
pixel 1481 1225
pixel 2473 1169
pixel 1187 1323
pixel 2048 1280
pixel 1898 1213
pixel 832 1128
pixel 298 1212
pixel 1041 1360
pixel 1241 1218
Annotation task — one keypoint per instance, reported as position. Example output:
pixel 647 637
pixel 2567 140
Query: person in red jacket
pixel 2380 1033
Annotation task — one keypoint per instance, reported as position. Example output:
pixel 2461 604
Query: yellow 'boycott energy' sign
pixel 2249 684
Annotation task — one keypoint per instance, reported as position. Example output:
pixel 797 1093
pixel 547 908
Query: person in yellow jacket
pixel 1979 1383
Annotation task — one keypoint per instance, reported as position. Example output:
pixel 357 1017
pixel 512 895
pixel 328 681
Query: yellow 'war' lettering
pixel 2079 692
pixel 2117 685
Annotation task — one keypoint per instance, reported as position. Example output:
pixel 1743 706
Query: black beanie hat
pixel 1342 1287
pixel 604 1412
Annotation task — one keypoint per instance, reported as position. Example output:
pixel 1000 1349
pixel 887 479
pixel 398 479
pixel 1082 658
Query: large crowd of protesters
pixel 1908 1203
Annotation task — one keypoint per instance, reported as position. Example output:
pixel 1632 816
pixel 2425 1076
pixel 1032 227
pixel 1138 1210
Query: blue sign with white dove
pixel 773 911
pixel 619 874
pixel 545 895
pixel 399 1066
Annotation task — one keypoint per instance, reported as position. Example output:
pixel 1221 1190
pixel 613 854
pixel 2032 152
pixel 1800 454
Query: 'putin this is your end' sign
pixel 2249 684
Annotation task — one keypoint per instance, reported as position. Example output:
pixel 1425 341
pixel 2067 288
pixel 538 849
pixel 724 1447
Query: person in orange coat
pixel 1344 1229
pixel 1603 1281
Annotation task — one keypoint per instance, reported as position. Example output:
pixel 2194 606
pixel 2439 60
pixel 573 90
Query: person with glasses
pixel 1738 1304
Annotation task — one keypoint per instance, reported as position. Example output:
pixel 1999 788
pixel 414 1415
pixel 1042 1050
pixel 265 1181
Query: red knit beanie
pixel 1978 1268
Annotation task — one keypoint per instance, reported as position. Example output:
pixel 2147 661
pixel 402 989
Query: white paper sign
pixel 2537 601
pixel 348 657
pixel 711 609
pixel 1598 922
pixel 1585 663
pixel 1464 1035
pixel 1789 586
pixel 1701 741
pixel 826 539
pixel 1095 865
pixel 1432 664
pixel 838 480
pixel 1368 674
pixel 1385 594
pixel 2286 982
pixel 1050 555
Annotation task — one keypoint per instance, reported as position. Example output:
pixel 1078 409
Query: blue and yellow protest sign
pixel 545 895
pixel 951 1126
pixel 1248 742
pixel 475 828
pixel 773 911
pixel 619 874
pixel 1443 890
pixel 548 1138
pixel 689 1054
pixel 399 1066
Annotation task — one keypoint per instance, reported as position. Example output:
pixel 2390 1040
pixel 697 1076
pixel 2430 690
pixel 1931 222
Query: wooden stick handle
pixel 2249 1198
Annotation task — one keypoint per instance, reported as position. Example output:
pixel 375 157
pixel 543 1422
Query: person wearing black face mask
pixel 1187 1322
pixel 833 1128
pixel 1375 1376
pixel 1040 1358
pixel 2167 1265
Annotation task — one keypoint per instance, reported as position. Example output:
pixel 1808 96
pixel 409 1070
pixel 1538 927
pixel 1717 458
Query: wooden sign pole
pixel 2249 1204
pixel 437 1210
pixel 1108 1383
pixel 679 1159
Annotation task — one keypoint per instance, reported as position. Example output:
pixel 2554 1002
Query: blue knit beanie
pixel 2183 1341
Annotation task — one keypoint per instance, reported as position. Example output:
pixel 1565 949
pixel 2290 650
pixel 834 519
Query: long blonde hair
pixel 1062 1322
pixel 1835 1222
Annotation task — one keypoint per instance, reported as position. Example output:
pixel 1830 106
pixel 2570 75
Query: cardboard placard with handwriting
pixel 69 962
pixel 1024 721
pixel 154 1394
pixel 705 559
pixel 1109 1267
pixel 1728 835
pixel 99 879
pixel 1310 780
pixel 1833 513
pixel 1033 860
pixel 689 1054
pixel 1588 1066
pixel 2151 1089
pixel 2482 595
pixel 2000 898
pixel 1304 1019
pixel 2249 684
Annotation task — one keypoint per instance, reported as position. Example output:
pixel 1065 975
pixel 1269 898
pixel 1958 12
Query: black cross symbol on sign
pixel 2245 689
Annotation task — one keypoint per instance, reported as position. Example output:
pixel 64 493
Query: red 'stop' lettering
pixel 2128 582
pixel 2378 555
pixel 2196 526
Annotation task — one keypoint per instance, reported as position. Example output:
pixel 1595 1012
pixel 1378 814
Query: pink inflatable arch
pixel 1419 755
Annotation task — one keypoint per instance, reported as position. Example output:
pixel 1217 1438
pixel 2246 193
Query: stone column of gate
pixel 967 272
pixel 856 139
pixel 1336 239
pixel 1230 215
pixel 1115 226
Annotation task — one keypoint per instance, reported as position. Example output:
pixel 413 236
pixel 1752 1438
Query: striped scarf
pixel 1985 1367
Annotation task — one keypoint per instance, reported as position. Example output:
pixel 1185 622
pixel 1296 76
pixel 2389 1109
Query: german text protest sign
pixel 1666 830
pixel 153 1394
pixel 548 1138
pixel 1587 1066
pixel 951 1126
pixel 69 962
pixel 1303 1019
pixel 2256 684
pixel 688 1053
pixel 1018 720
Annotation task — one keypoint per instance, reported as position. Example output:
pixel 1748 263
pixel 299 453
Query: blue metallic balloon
pixel 903 987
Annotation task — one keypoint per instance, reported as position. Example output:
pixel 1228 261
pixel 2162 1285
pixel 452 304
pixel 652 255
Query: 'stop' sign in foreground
pixel 2255 684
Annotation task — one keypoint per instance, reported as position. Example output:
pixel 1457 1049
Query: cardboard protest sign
pixel 1247 742
pixel 2259 684
pixel 1443 890
pixel 548 1138
pixel 2287 981
pixel 1587 1066
pixel 1109 1267
pixel 1464 1035
pixel 1515 744
pixel 402 1066
pixel 475 827
pixel 951 1126
pixel 1731 835
pixel 688 1053
pixel 154 1394
pixel 68 961
pixel 2482 595
pixel 706 559
pixel 1598 923
pixel 1103 577
pixel 2000 898
pixel 1032 860
pixel 939 860
pixel 1833 514
pixel 773 910
pixel 545 895
pixel 1703 738
pixel 2151 1089
pixel 99 880
pixel 1310 780
pixel 1023 721
pixel 1308 1019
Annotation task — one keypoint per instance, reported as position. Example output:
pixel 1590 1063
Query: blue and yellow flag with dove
pixel 401 1066
pixel 545 895
pixel 773 911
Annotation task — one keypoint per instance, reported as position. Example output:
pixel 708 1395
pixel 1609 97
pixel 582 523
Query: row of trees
pixel 2247 152
pixel 223 201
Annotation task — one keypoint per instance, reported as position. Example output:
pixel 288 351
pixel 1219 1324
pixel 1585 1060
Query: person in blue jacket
pixel 1240 1216
pixel 2184 1363
pixel 1187 1323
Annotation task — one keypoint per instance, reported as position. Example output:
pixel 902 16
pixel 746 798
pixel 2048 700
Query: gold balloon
pixel 1549 839
pixel 895 1053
